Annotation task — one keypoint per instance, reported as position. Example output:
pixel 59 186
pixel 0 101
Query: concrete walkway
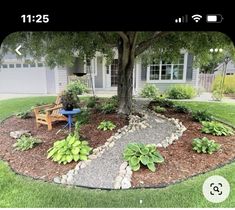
pixel 98 93
pixel 207 97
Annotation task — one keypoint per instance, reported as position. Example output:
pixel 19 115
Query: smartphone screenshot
pixel 117 108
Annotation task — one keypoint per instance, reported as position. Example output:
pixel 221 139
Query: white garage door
pixel 22 80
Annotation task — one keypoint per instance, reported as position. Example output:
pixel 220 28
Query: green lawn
pixel 225 111
pixel 19 191
pixel 13 106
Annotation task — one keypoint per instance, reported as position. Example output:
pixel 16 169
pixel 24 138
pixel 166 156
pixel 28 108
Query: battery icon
pixel 215 18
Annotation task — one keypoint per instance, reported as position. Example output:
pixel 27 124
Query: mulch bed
pixel 181 161
pixel 34 162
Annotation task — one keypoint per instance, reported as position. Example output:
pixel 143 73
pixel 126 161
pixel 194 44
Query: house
pixel 230 70
pixel 19 76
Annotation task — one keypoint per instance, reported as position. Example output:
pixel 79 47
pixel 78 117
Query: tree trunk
pixel 126 60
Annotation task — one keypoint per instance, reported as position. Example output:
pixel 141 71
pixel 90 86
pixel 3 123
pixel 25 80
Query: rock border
pixel 123 180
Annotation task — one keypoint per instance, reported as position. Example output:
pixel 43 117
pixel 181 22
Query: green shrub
pixel 77 87
pixel 216 95
pixel 106 125
pixel 149 91
pixel 163 102
pixel 159 109
pixel 69 149
pixel 24 114
pixel 202 116
pixel 92 101
pixel 205 145
pixel 181 109
pixel 216 128
pixel 26 143
pixel 83 117
pixel 109 106
pixel 137 153
pixel 229 84
pixel 70 100
pixel 181 92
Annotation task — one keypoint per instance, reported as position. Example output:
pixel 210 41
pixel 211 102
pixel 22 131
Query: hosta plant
pixel 203 115
pixel 24 114
pixel 69 149
pixel 216 129
pixel 204 145
pixel 181 109
pixel 26 142
pixel 147 155
pixel 159 109
pixel 106 125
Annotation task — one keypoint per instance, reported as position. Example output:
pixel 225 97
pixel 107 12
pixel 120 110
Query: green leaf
pixel 83 157
pixel 134 160
pixel 84 142
pixel 151 167
pixel 129 152
pixel 158 158
pixel 69 158
pixel 72 140
pixel 76 157
pixel 135 167
pixel 133 147
pixel 76 143
pixel 144 151
pixel 144 159
pixel 75 151
pixel 84 151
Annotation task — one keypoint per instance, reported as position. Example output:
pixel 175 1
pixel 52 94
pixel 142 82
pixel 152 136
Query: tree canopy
pixel 62 48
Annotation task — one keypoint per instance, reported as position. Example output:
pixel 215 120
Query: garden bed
pixel 181 162
pixel 34 162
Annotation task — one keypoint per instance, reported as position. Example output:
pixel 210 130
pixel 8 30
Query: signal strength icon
pixel 183 19
pixel 196 18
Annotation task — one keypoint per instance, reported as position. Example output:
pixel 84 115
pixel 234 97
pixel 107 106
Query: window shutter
pixel 189 74
pixel 143 72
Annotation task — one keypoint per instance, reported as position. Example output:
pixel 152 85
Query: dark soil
pixel 34 162
pixel 181 161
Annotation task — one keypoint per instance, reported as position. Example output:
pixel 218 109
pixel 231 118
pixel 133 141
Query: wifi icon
pixel 196 18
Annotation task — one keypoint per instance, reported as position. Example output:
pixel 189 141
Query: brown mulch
pixel 181 161
pixel 34 162
pixel 98 137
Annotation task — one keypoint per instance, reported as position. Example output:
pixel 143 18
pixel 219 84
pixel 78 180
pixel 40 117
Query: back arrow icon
pixel 17 50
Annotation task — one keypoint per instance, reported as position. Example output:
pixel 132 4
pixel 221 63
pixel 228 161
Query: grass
pixel 16 105
pixel 224 111
pixel 19 191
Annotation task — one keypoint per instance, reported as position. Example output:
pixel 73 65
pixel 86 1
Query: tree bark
pixel 126 58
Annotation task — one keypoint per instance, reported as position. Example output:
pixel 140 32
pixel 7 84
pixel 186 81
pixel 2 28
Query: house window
pixel 33 65
pixel 11 65
pixel 165 71
pixel 178 71
pixel 114 73
pixel 25 65
pixel 18 65
pixel 40 64
pixel 4 66
pixel 154 72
